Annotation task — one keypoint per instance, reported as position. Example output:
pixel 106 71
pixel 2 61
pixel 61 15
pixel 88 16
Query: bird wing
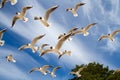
pixel 72 72
pixel 102 37
pixel 2 32
pixel 45 67
pixel 89 26
pixel 2 4
pixel 15 18
pixel 43 45
pixel 49 11
pixel 80 69
pixel 78 5
pixel 60 36
pixel 114 32
pixel 62 40
pixel 54 69
pixel 73 29
pixel 34 69
pixel 36 39
pixel 24 9
pixel 23 47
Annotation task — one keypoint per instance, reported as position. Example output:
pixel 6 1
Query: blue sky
pixel 84 49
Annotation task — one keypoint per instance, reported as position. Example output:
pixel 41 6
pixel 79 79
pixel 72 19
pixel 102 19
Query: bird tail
pixel 13 2
pixel 14 60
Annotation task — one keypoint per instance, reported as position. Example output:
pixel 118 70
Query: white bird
pixel 84 30
pixel 43 69
pixel 54 70
pixel 109 36
pixel 44 20
pixel 32 44
pixel 73 10
pixel 3 2
pixel 1 35
pixel 116 71
pixel 10 58
pixel 77 73
pixel 21 15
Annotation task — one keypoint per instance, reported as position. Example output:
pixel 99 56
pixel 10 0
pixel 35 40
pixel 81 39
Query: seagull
pixel 32 44
pixel 1 35
pixel 84 30
pixel 10 58
pixel 116 71
pixel 21 15
pixel 62 40
pixel 110 36
pixel 44 19
pixel 77 73
pixel 43 69
pixel 54 70
pixel 3 2
pixel 73 10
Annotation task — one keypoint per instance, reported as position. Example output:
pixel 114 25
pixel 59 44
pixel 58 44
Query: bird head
pixel 40 17
pixel 108 34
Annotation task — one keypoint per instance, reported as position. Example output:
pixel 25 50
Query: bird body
pixel 10 58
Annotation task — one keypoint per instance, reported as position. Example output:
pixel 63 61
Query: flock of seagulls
pixel 62 38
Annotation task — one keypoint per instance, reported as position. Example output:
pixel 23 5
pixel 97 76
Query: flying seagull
pixel 43 69
pixel 84 30
pixel 32 44
pixel 21 15
pixel 1 35
pixel 77 73
pixel 3 2
pixel 44 19
pixel 54 70
pixel 10 58
pixel 109 36
pixel 73 10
